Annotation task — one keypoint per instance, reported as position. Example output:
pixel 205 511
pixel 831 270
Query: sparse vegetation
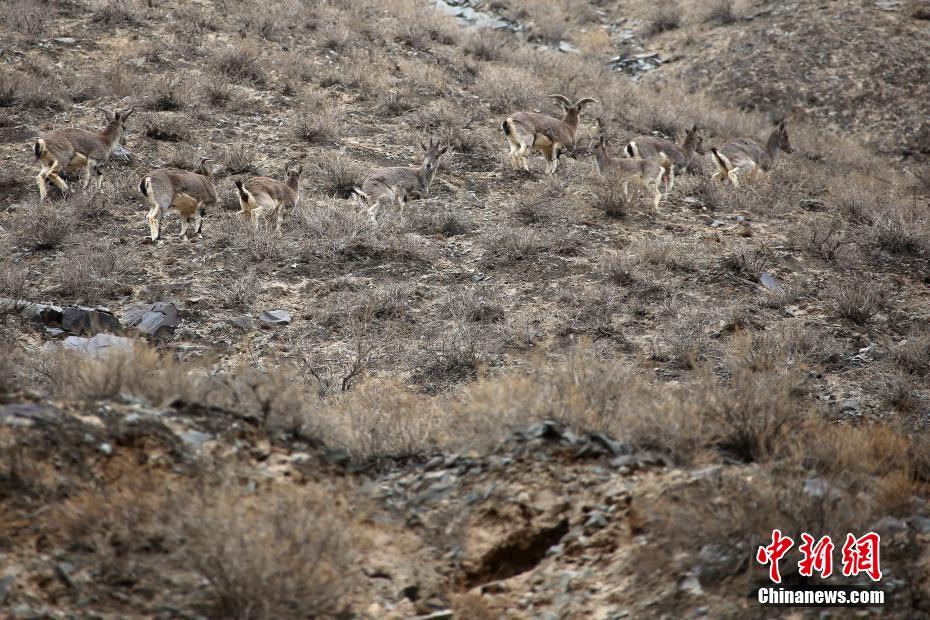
pixel 665 16
pixel 520 374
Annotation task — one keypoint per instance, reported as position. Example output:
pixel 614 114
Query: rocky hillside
pixel 513 400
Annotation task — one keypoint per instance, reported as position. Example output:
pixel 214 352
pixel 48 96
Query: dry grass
pixel 95 274
pixel 240 64
pixel 859 302
pixel 42 231
pixel 117 12
pixel 451 327
pixel 26 17
pixel 665 16
pixel 722 12
pixel 318 122
pixel 166 127
pixel 272 555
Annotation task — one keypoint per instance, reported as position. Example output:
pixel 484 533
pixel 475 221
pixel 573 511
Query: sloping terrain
pixel 516 398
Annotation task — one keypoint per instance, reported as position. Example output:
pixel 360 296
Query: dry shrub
pixel 722 12
pixel 449 357
pixel 360 69
pixel 241 289
pixel 239 159
pixel 340 176
pixel 792 344
pixel 168 94
pixel 167 127
pixel 139 372
pixel 619 267
pixel 665 16
pixel 385 421
pixel 669 255
pixel 832 480
pixel 486 44
pixel 737 513
pixel 240 64
pixel 27 17
pixel 117 13
pixel 830 240
pixel 507 88
pixel 419 26
pixel 442 223
pixel 540 202
pixel 895 388
pixel 900 230
pixel 608 197
pixel 280 552
pixel 474 305
pixel 283 553
pixel 330 227
pixel 318 121
pixel 42 228
pixel 505 247
pixel 753 417
pixel 95 274
pixel 269 20
pixel 912 355
pixel 858 301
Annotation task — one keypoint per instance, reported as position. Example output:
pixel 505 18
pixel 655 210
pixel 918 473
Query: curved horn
pixel 107 113
pixel 126 114
pixel 562 99
pixel 585 100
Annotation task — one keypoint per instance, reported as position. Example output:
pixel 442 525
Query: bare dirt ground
pixel 525 397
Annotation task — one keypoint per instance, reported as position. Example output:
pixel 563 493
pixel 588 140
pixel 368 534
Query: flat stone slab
pixel 155 319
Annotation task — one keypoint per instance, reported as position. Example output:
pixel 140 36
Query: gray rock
pixel 766 280
pixel 275 317
pixel 65 40
pixel 889 526
pixel 596 520
pixel 921 524
pixel 565 46
pixel 121 155
pixel 818 487
pixel 6 584
pixel 153 320
pixel 80 320
pixel 25 612
pixel 63 571
pixel 243 322
pixel 30 412
pixel 105 448
pixel 196 438
pixel 98 346
pixel 691 585
pixel 850 405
